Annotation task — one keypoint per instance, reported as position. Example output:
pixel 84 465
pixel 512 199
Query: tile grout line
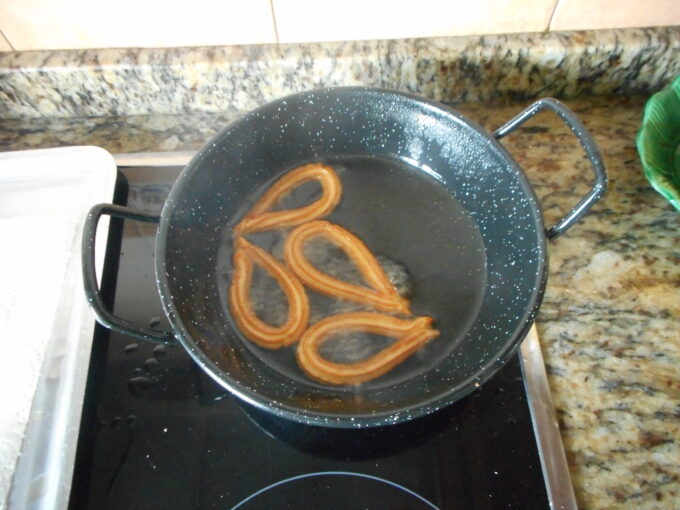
pixel 3 36
pixel 552 16
pixel 276 28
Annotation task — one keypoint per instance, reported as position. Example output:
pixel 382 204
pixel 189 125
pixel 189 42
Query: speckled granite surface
pixel 610 320
pixel 175 81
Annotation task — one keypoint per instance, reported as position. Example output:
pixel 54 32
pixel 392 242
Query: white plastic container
pixel 46 326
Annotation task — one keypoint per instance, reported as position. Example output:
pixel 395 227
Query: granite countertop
pixel 610 320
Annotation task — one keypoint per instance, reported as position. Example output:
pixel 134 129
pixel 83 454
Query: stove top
pixel 157 432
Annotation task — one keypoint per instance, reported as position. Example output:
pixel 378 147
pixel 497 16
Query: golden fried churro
pixel 382 296
pixel 245 255
pixel 259 218
pixel 411 335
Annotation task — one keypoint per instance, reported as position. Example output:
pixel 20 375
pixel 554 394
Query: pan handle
pixel 587 143
pixel 104 317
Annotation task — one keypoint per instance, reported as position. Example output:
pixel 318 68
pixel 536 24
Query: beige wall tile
pixel 4 43
pixel 316 20
pixel 595 14
pixel 58 24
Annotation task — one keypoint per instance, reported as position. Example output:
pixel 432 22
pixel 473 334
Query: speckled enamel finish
pixel 475 168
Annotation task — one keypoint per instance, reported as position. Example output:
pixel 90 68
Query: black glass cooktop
pixel 157 432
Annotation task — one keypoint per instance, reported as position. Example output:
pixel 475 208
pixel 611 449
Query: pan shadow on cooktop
pixel 480 410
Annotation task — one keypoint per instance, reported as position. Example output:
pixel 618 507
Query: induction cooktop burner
pixel 330 490
pixel 157 432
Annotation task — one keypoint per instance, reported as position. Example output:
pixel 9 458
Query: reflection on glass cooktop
pixel 159 433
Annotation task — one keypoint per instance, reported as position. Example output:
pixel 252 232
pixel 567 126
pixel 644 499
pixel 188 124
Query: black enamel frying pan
pixel 421 184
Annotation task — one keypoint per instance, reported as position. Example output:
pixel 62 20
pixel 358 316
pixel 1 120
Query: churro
pixel 271 337
pixel 261 218
pixel 411 335
pixel 382 295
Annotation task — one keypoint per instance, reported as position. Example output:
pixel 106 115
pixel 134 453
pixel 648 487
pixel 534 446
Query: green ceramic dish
pixel 658 142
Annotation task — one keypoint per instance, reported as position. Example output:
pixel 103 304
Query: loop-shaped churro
pixel 259 218
pixel 245 256
pixel 382 296
pixel 411 335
